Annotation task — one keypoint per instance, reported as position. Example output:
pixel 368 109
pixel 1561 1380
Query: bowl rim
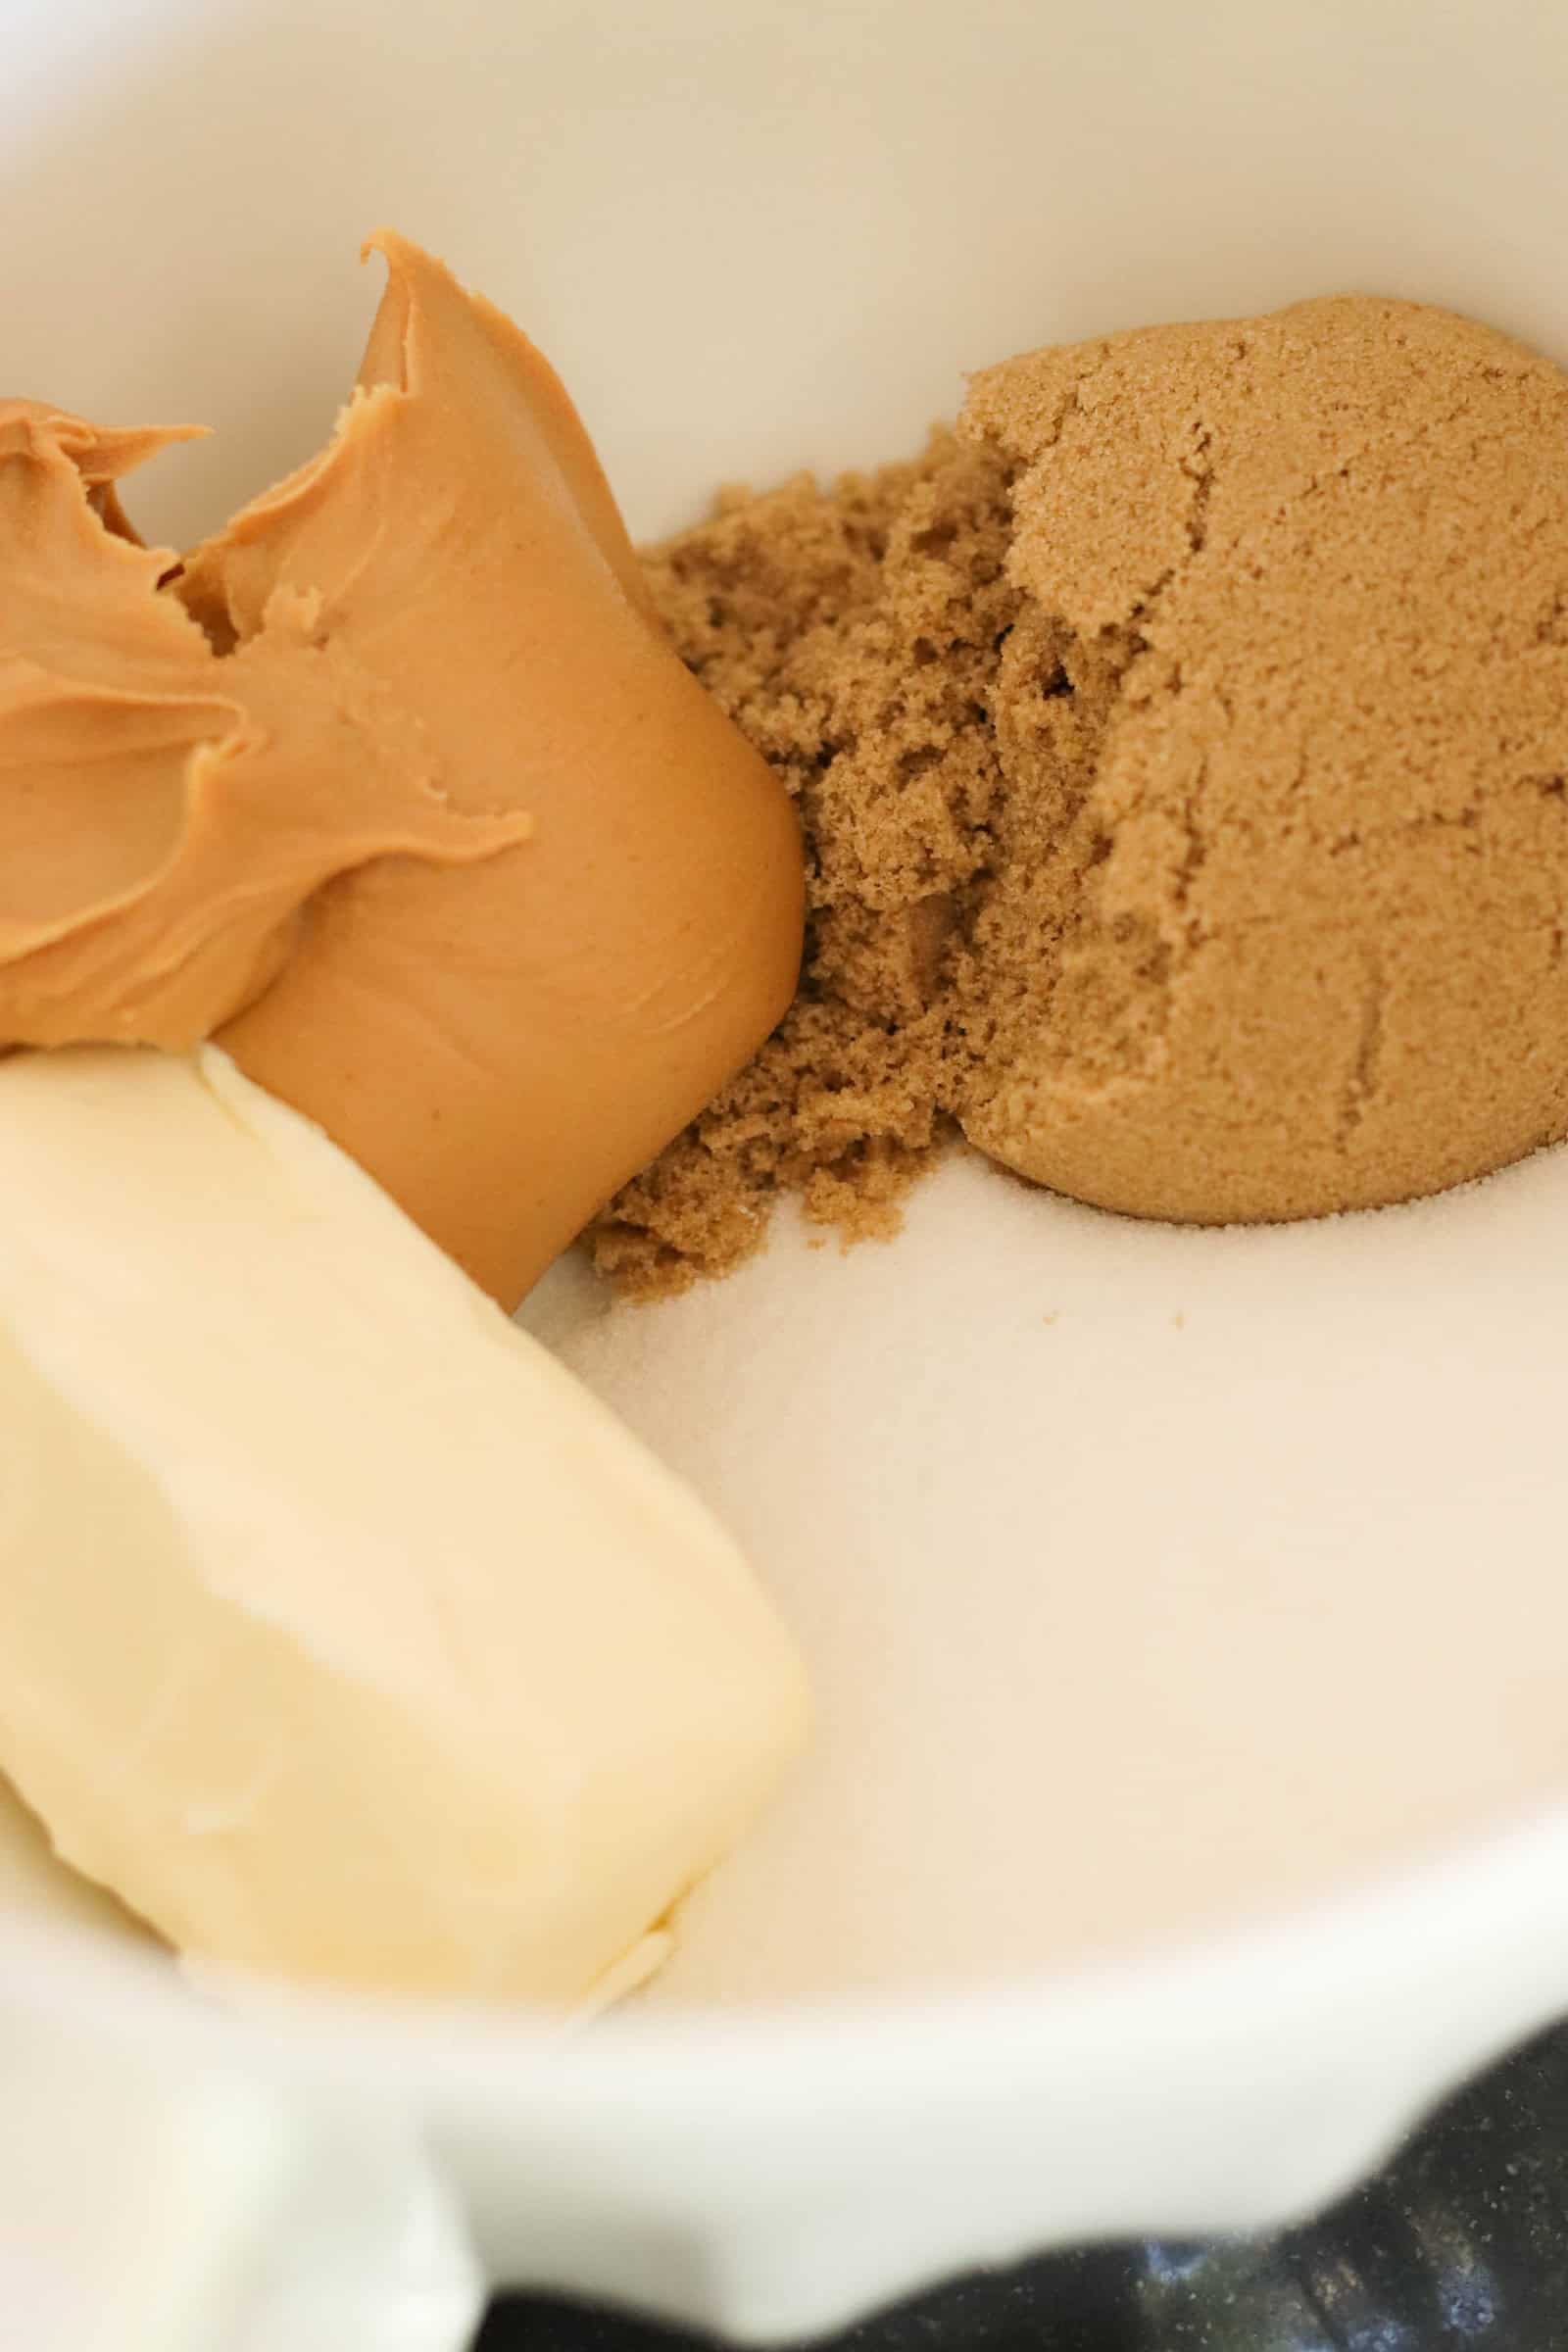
pixel 1455 1956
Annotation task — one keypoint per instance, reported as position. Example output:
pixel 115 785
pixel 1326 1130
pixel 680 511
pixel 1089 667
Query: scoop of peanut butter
pixel 395 786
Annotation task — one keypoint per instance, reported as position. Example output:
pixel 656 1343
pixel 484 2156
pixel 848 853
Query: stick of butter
pixel 341 1633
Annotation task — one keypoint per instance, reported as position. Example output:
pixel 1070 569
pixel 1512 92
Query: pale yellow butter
pixel 342 1633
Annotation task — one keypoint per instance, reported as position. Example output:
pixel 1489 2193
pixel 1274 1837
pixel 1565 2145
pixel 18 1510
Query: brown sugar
pixel 1182 752
pixel 856 636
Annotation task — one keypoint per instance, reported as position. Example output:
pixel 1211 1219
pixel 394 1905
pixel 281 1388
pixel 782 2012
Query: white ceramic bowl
pixel 753 236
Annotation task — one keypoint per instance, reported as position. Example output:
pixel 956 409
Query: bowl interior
pixel 764 239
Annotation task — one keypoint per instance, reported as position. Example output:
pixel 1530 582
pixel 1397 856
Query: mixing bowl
pixel 755 237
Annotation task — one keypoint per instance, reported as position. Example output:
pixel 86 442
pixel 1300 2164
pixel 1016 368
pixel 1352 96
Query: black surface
pixel 1461 2243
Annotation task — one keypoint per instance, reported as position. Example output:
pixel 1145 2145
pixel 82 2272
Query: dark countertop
pixel 1461 2242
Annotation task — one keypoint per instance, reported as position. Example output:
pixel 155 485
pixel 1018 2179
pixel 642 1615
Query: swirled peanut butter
pixel 165 817
pixel 396 786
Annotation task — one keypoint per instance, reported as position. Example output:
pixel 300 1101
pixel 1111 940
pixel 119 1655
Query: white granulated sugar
pixel 1149 1576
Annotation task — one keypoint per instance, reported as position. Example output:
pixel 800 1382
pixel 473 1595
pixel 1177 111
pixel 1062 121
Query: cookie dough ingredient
pixel 854 635
pixel 1178 1575
pixel 396 785
pixel 346 1636
pixel 167 819
pixel 1184 761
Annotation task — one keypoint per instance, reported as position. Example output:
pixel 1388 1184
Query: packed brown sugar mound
pixel 1182 752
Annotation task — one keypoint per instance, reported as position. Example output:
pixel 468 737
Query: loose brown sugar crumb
pixel 1180 755
pixel 855 634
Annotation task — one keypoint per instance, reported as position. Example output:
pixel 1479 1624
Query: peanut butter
pixel 165 817
pixel 396 786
